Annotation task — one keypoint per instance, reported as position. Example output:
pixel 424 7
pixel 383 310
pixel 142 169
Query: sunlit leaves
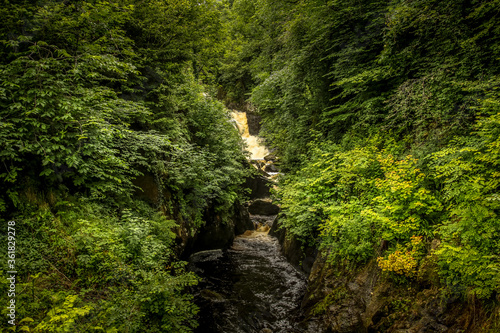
pixel 469 173
pixel 403 206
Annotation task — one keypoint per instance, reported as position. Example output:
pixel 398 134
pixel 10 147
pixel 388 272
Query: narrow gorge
pixel 250 286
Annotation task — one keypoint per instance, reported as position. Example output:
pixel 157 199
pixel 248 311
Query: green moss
pixel 332 298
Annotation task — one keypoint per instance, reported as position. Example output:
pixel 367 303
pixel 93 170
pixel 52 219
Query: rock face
pixel 219 234
pixel 302 257
pixel 148 188
pixel 364 300
pixel 253 123
pixel 241 219
pixel 259 186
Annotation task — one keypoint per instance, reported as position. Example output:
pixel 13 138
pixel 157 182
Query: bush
pixel 108 270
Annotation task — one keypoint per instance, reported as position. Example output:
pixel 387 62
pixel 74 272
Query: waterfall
pixel 254 145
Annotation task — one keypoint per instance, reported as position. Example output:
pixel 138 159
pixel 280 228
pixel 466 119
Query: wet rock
pixel 217 233
pixel 270 157
pixel 258 164
pixel 253 121
pixel 259 186
pixel 347 318
pixel 214 234
pixel 263 228
pixel 264 173
pixel 277 231
pixel 211 295
pixel 345 298
pixel 364 300
pixel 299 255
pixel 242 221
pixel 263 207
pixel 270 167
pixel 263 219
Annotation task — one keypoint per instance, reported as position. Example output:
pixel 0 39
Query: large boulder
pixel 242 220
pixel 270 157
pixel 270 167
pixel 263 207
pixel 343 299
pixel 217 233
pixel 259 186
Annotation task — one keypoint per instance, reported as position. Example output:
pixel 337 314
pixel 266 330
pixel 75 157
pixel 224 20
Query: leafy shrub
pixel 108 271
pixel 403 261
pixel 64 318
pixel 470 178
pixel 403 206
pixel 330 178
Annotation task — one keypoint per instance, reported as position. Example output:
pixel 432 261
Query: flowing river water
pixel 249 287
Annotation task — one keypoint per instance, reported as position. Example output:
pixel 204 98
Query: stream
pixel 247 288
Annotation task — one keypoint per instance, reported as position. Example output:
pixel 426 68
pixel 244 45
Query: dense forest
pixel 384 116
pixel 93 96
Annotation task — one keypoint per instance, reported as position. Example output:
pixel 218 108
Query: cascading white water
pixel 254 144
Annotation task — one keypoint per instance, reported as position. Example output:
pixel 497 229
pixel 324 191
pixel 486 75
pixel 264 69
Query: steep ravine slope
pixel 354 300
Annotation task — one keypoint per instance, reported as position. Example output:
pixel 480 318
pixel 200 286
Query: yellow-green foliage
pixel 349 201
pixel 403 204
pixel 62 319
pixel 403 261
pixel 356 198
